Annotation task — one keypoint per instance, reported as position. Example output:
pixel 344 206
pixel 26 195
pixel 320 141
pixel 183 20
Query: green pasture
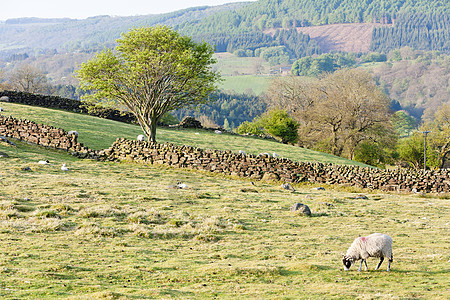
pixel 97 133
pixel 257 84
pixel 108 230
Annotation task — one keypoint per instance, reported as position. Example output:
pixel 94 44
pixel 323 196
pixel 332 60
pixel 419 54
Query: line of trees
pixel 420 31
pixel 346 113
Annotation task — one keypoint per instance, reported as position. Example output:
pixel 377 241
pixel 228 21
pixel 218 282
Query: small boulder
pixel 268 176
pixel 301 208
pixel 4 98
pixel 288 187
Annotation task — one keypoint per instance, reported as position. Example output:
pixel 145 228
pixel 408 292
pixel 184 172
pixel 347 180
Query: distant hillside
pixel 35 36
pixel 422 24
pixel 339 37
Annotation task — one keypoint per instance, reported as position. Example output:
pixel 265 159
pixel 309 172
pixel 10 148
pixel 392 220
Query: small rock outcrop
pixel 301 208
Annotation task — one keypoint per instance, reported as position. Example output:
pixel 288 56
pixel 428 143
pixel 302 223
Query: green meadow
pixel 108 230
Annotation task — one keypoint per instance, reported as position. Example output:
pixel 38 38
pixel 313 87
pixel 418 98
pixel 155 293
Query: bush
pixel 250 128
pixel 279 124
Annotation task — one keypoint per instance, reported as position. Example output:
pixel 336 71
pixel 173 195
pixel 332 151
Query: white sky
pixel 81 9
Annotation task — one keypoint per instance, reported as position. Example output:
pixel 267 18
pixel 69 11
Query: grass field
pixel 99 133
pixel 239 73
pixel 246 83
pixel 120 231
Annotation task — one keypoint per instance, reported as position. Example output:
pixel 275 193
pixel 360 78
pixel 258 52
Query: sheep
pixel 141 137
pixel 43 162
pixel 275 155
pixel 242 152
pixel 73 132
pixel 374 245
pixel 217 132
pixel 1 109
pixel 181 185
pixel 64 168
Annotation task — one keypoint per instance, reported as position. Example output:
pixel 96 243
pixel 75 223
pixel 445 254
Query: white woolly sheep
pixel 242 152
pixel 374 245
pixel 275 155
pixel 64 168
pixel 72 132
pixel 141 137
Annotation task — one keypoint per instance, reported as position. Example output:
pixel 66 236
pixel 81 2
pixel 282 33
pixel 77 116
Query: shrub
pixel 250 128
pixel 279 124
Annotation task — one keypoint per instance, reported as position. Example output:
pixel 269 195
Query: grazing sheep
pixel 141 137
pixel 217 132
pixel 275 155
pixel 43 162
pixel 64 168
pixel 374 245
pixel 181 185
pixel 72 132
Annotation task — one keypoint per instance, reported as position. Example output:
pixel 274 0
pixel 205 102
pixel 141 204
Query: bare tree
pixel 335 112
pixel 28 79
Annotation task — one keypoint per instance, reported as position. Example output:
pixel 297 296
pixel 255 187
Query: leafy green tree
pixel 226 124
pixel 153 70
pixel 410 150
pixel 439 137
pixel 403 123
pixel 279 124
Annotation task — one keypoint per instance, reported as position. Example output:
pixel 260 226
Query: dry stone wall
pixel 67 104
pixel 266 167
pixel 258 167
pixel 40 134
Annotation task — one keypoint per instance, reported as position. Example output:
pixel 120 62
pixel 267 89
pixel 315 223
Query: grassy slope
pixel 116 230
pixel 99 134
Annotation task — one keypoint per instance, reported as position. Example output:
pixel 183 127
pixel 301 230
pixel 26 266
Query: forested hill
pixel 422 24
pixel 295 13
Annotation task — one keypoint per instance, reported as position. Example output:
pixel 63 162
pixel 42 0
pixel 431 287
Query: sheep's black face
pixel 347 263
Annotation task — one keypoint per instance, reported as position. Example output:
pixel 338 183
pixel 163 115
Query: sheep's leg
pixel 365 263
pixel 389 265
pixel 379 264
pixel 360 265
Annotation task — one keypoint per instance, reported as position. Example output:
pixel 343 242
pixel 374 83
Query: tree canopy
pixel 336 112
pixel 152 70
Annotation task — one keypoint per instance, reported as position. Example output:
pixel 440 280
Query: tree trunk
pixel 152 137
